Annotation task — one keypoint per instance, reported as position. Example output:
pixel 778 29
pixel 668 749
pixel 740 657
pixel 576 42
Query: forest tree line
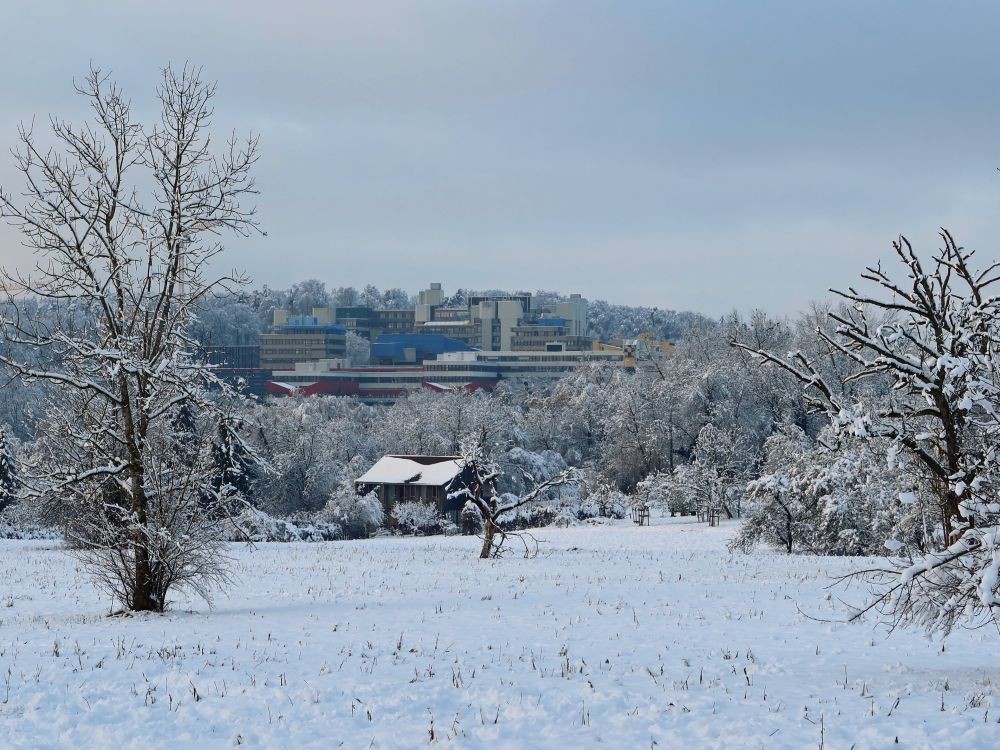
pixel 695 428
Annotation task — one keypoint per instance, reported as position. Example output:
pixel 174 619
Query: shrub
pixel 472 519
pixel 421 519
pixel 257 526
pixel 357 515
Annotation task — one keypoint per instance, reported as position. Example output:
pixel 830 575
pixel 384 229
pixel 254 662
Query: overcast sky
pixel 699 155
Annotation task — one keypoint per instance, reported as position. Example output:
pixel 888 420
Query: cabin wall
pixel 391 494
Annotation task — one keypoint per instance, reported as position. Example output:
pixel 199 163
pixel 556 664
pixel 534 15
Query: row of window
pixel 614 357
pixel 394 315
pixel 301 344
pixel 465 367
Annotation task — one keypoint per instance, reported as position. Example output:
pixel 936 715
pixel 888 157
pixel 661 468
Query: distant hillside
pixel 609 321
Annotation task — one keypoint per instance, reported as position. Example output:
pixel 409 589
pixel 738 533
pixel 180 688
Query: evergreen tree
pixel 8 472
pixel 234 466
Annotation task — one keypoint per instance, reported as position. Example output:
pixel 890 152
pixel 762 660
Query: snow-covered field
pixel 617 637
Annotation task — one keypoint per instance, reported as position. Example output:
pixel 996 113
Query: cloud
pixel 698 155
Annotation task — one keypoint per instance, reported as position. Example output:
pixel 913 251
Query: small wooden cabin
pixel 417 479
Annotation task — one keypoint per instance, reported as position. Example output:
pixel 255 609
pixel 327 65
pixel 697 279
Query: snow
pixel 614 636
pixel 437 386
pixel 400 470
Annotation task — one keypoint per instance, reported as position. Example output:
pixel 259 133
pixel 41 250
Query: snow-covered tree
pixel 313 444
pixel 420 518
pixel 371 296
pixel 724 461
pixel 397 299
pixel 608 501
pixel 613 321
pixel 358 350
pixel 481 493
pixel 345 296
pixel 235 465
pixel 124 219
pixel 357 515
pixel 935 335
pixel 410 426
pixel 668 491
pixel 571 417
pixel 843 501
pixel 226 320
pixel 306 295
pixel 783 501
pixel 433 423
pixel 518 463
pixel 8 472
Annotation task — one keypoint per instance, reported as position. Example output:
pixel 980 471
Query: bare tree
pixel 481 493
pixel 124 219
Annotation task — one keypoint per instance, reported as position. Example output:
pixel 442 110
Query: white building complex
pixel 450 371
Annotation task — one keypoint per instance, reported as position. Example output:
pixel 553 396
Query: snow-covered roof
pixel 433 471
pixel 437 386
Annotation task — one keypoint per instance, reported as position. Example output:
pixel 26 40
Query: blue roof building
pixel 409 348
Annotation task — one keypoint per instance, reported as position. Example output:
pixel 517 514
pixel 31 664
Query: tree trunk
pixel 949 513
pixel 142 592
pixel 143 599
pixel 948 503
pixel 788 531
pixel 489 531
